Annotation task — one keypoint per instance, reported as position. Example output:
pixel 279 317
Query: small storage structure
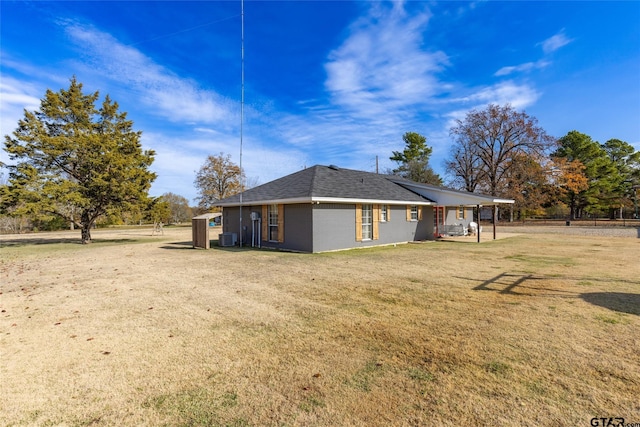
pixel 200 229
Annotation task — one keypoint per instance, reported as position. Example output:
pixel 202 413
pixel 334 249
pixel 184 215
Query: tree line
pixel 75 163
pixel 505 153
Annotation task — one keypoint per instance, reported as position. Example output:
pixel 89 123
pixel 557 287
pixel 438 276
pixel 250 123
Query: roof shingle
pixel 327 182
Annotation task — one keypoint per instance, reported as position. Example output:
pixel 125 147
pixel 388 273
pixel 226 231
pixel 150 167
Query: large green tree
pixel 76 161
pixel 626 161
pixel 602 176
pixel 413 161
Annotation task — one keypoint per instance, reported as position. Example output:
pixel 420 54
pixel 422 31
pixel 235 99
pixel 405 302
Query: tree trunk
pixel 86 224
pixel 86 234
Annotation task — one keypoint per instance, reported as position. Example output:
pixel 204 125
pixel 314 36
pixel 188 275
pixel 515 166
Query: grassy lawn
pixel 535 329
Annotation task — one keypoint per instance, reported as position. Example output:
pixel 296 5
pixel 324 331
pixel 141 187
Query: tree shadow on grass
pixel 178 245
pixel 16 243
pixel 214 246
pixel 618 301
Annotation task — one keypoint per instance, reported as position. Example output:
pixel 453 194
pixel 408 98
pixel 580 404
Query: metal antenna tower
pixel 240 235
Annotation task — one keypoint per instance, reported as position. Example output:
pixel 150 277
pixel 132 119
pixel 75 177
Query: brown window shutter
pixel 280 223
pixel 376 221
pixel 408 212
pixel 265 223
pixel 388 213
pixel 464 213
pixel 358 223
pixel 420 213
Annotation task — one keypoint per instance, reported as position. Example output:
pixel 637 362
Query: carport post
pixel 495 219
pixel 478 230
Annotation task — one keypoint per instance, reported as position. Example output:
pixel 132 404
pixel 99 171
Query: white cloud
pixel 382 66
pixel 528 66
pixel 171 96
pixel 555 42
pixel 15 97
pixel 518 95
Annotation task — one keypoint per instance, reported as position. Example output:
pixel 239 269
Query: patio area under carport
pixel 448 200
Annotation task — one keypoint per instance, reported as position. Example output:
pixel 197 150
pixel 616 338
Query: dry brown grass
pixel 131 330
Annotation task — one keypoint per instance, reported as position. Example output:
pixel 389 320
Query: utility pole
pixel 241 114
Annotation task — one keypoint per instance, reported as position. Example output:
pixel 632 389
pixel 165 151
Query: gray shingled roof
pixel 327 182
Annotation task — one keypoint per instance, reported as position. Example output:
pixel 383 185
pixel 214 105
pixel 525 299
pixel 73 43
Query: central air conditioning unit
pixel 227 239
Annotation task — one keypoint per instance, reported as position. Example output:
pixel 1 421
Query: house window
pixel 367 222
pixel 414 212
pixel 384 213
pixel 273 223
pixel 461 213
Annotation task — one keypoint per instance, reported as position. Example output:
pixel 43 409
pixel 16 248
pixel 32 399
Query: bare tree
pixel 488 144
pixel 218 178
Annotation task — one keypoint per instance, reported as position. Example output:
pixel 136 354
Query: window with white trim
pixel 460 212
pixel 384 213
pixel 414 212
pixel 272 214
pixel 367 222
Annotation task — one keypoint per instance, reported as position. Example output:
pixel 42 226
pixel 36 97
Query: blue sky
pixel 327 82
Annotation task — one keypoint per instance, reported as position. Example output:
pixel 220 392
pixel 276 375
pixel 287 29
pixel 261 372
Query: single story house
pixel 326 208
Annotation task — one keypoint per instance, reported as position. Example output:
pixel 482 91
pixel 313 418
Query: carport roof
pixel 449 197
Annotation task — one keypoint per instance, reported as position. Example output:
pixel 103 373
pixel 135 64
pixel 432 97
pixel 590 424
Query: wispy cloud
pixel 549 46
pixel 555 42
pixel 16 96
pixel 526 67
pixel 382 65
pixel 519 96
pixel 173 97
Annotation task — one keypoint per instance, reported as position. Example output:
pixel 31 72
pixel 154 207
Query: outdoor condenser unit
pixel 227 239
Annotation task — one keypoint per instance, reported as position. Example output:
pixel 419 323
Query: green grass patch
pixel 584 283
pixel 536 388
pixel 194 407
pixel 497 368
pixel 364 377
pixel 419 374
pixel 614 319
pixel 541 261
pixel 310 403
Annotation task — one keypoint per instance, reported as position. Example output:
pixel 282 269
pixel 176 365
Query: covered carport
pixel 449 200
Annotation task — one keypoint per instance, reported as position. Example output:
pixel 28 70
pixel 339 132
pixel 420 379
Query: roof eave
pixel 318 200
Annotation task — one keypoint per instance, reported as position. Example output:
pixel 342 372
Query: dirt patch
pixel 139 330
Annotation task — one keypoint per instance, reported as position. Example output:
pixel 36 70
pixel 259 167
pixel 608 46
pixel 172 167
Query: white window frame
pixel 272 223
pixel 414 212
pixel 384 213
pixel 460 214
pixel 367 222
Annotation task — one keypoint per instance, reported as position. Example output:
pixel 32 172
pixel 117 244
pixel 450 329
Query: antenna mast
pixel 241 114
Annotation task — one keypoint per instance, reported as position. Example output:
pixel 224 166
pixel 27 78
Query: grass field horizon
pixel 534 329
